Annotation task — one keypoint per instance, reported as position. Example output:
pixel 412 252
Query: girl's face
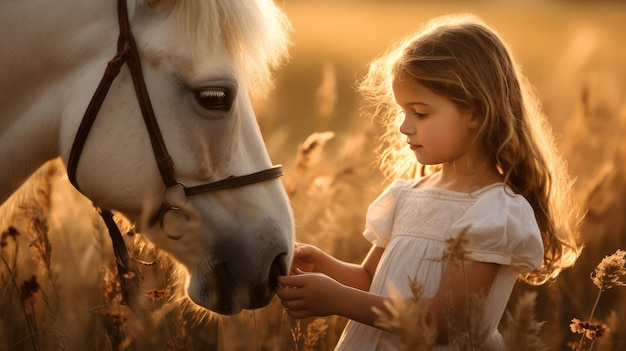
pixel 436 129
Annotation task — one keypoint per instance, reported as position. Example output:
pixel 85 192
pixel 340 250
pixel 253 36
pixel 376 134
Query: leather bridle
pixel 127 53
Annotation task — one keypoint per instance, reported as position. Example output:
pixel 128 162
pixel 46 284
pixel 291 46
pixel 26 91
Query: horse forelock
pixel 256 33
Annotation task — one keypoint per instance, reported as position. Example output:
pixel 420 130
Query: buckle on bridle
pixel 166 191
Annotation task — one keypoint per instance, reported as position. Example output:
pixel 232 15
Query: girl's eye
pixel 215 98
pixel 420 115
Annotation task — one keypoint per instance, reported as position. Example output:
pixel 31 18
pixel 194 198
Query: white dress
pixel 413 224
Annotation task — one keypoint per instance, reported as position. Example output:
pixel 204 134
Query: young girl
pixel 487 166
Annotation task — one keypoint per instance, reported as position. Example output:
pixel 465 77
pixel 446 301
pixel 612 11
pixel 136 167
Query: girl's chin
pixel 425 161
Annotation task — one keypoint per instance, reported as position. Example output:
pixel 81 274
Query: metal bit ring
pixel 162 226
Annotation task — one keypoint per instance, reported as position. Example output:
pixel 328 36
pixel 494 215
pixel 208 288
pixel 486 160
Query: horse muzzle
pixel 236 276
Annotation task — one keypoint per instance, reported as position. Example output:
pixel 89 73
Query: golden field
pixel 574 54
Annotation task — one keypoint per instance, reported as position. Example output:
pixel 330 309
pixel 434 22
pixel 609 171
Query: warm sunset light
pixel 59 285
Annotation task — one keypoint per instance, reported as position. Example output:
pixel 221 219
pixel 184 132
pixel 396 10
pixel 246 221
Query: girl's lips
pixel 414 146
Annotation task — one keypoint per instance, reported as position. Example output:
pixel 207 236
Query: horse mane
pixel 256 33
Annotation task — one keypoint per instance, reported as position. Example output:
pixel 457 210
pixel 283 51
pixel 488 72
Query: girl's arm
pixel 316 294
pixel 308 258
pixel 335 287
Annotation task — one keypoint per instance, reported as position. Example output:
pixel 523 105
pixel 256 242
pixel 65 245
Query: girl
pixel 488 168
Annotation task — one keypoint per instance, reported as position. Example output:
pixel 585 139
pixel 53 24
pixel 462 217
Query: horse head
pixel 201 62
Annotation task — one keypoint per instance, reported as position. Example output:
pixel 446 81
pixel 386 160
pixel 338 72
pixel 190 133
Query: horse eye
pixel 214 98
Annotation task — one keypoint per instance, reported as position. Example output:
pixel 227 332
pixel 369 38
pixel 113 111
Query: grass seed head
pixel 456 248
pixel 11 232
pixel 29 288
pixel 610 270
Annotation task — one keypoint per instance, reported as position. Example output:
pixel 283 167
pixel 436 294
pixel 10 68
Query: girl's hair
pixel 462 59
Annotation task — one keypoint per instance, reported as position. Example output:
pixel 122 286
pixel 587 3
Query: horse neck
pixel 54 53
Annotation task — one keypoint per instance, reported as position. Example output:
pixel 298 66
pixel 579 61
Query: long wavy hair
pixel 461 58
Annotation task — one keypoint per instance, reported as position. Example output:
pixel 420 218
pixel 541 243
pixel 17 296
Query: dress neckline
pixel 471 195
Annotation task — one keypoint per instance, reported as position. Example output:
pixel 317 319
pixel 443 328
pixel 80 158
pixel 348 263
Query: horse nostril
pixel 278 267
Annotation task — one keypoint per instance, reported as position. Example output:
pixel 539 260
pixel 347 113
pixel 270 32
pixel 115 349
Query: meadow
pixel 58 288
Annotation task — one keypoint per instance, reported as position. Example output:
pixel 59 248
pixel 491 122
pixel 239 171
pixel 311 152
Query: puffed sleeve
pixel 379 217
pixel 502 229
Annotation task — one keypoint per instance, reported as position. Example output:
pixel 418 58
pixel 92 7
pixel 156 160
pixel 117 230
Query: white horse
pixel 201 60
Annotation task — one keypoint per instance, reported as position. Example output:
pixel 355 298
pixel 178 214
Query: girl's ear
pixel 474 119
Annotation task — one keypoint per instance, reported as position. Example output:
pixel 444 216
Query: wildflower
pixel 9 233
pixel 456 247
pixel 116 319
pixel 576 326
pixel 111 288
pixel 29 288
pixel 610 270
pixel 606 276
pixel 158 294
pixel 179 343
pixel 589 330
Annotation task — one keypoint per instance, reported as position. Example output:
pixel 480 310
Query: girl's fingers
pixel 298 248
pixel 302 250
pixel 298 252
pixel 298 314
pixel 294 305
pixel 290 281
pixel 287 294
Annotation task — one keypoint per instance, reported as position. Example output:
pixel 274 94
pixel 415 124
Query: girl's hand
pixel 305 257
pixel 309 294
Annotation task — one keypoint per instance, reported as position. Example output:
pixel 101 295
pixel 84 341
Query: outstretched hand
pixel 305 257
pixel 308 294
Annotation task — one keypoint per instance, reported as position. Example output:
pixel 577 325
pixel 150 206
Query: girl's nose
pixel 405 127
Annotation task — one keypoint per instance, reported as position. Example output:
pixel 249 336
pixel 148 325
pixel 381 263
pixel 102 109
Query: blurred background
pixel 565 47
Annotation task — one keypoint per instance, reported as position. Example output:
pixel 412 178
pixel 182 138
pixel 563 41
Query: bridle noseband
pixel 127 53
